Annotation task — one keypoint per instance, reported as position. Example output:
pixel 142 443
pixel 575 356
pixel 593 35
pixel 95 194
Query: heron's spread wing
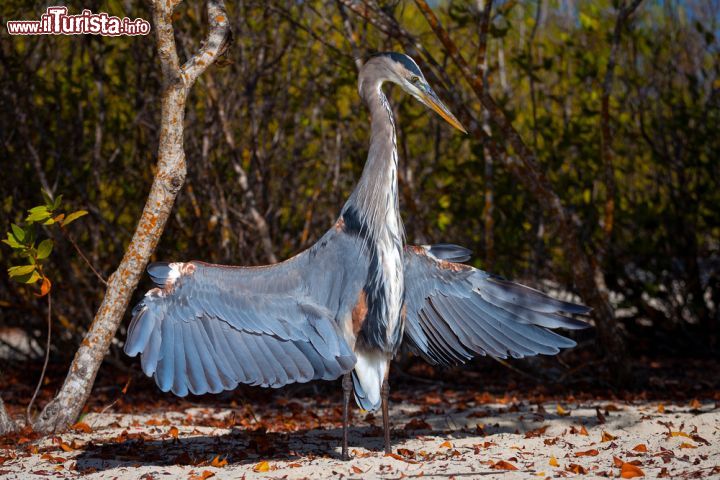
pixel 455 312
pixel 207 328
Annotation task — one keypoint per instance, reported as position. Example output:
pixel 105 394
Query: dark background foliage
pixel 276 137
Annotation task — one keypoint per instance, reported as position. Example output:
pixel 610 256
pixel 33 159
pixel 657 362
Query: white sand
pixel 453 448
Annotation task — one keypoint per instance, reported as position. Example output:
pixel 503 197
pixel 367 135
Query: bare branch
pixel 214 46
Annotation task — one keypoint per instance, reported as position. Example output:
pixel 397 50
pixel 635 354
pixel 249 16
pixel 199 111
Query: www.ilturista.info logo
pixel 56 21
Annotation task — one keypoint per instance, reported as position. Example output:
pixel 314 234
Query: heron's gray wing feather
pixel 209 327
pixel 455 312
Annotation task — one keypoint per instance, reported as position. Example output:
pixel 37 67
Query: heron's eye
pixel 415 80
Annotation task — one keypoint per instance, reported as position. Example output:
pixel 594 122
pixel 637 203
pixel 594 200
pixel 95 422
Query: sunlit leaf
pixel 561 411
pixel 21 270
pixel 628 470
pixel 44 249
pixel 606 437
pixel 553 461
pixel 641 447
pixel 587 453
pixel 503 465
pixel 73 216
pixel 262 467
pixel 217 463
pixel 45 287
pixel 38 216
pixel 18 232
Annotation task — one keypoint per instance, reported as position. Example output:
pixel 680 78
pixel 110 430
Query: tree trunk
pixel 65 408
pixel 6 423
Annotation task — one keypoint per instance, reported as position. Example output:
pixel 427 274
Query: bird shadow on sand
pixel 242 446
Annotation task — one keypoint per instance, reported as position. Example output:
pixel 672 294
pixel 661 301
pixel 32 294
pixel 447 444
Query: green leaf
pixel 18 232
pixel 56 204
pixel 29 278
pixel 12 242
pixel 38 216
pixel 21 270
pixel 74 216
pixel 49 221
pixel 44 249
pixel 39 208
pixel 46 197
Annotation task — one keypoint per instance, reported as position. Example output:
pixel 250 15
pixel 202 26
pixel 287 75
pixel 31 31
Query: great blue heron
pixel 345 305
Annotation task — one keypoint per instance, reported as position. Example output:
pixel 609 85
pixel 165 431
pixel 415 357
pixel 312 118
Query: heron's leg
pixel 347 385
pixel 384 396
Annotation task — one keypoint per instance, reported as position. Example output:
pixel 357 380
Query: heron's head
pixel 402 70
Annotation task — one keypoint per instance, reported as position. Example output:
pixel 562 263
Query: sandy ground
pixel 479 440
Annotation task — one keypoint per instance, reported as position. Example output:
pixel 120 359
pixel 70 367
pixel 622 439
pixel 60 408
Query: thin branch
pixel 214 46
pixel 605 134
pixel 484 25
pixel 28 416
pixel 82 255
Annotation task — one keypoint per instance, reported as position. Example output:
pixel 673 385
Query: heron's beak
pixel 429 98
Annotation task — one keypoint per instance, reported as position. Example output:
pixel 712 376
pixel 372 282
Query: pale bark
pixel 62 411
pixel 6 423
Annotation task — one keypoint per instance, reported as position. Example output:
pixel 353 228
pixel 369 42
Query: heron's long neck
pixel 375 198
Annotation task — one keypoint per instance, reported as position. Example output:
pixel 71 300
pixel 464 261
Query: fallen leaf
pixel 536 432
pixel 561 411
pixel 446 444
pixel 204 475
pixel 503 465
pixel 640 448
pixel 217 463
pixel 617 462
pixel 68 448
pixel 587 453
pixel 687 445
pixel 174 432
pixel 661 408
pixel 357 470
pixel 262 467
pixel 628 470
pixel 553 461
pixel 82 427
pixel 679 434
pixel 583 431
pixel 398 457
pixel 577 469
pixel 606 437
pixel 695 404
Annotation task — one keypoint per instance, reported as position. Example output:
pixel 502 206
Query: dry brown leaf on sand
pixel 357 470
pixel 587 453
pixel 262 467
pixel 554 462
pixel 446 444
pixel 217 463
pixel 640 448
pixel 203 476
pixel 606 437
pixel 577 469
pixel 82 427
pixel 503 465
pixel 628 470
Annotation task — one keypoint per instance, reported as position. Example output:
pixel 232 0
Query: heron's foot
pixel 388 450
pixel 345 456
